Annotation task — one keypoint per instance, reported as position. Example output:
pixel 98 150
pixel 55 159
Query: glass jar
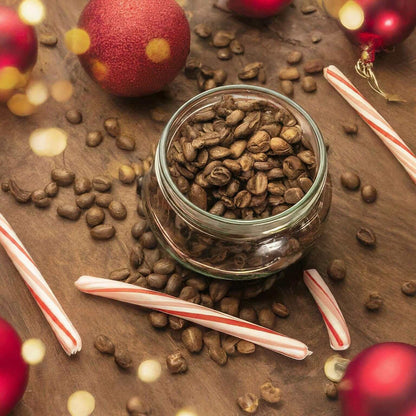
pixel 233 248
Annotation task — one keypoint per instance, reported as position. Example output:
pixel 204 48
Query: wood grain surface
pixel 64 250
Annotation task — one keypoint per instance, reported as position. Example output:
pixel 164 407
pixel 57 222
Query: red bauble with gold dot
pixel 257 8
pixel 137 46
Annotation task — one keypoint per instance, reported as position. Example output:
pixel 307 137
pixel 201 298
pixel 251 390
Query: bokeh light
pixel 37 92
pixel 33 351
pixel 351 15
pixel 20 106
pixel 186 412
pixel 62 91
pixel 149 371
pixel 48 142
pixel 77 41
pixel 99 70
pixel 9 78
pixel 31 12
pixel 81 403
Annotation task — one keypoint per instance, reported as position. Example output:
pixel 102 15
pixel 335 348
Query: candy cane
pixel 198 314
pixel 339 335
pixel 376 122
pixel 67 335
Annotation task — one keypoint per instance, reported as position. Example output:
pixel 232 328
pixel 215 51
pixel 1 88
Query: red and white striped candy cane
pixel 339 335
pixel 198 314
pixel 370 115
pixel 67 335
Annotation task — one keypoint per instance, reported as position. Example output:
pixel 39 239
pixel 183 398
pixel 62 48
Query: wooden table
pixel 64 251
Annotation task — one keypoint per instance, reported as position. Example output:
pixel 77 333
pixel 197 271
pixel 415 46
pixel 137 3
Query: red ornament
pixel 18 43
pixel 381 381
pixel 137 46
pixel 13 370
pixel 257 8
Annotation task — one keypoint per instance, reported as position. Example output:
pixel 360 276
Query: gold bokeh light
pixel 20 106
pixel 77 41
pixel 33 351
pixel 9 78
pixel 81 403
pixel 37 92
pixel 48 142
pixel 62 90
pixel 31 12
pixel 351 15
pixel 149 371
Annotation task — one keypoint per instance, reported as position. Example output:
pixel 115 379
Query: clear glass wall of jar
pixel 230 248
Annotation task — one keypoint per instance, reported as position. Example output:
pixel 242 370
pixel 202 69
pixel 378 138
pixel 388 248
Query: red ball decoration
pixel 257 8
pixel 137 46
pixel 13 370
pixel 381 381
pixel 18 43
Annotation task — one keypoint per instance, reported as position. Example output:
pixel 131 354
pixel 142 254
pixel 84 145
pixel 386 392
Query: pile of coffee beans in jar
pixel 242 159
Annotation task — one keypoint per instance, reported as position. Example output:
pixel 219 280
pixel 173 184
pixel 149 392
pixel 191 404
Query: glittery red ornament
pixel 381 381
pixel 18 43
pixel 257 8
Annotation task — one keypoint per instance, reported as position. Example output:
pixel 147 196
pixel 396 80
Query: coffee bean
pixel 192 68
pixel 248 314
pixel 294 57
pixel 138 168
pixel 292 135
pixel 218 289
pixel 331 390
pixel 366 237
pixel 313 66
pixel 304 183
pixel 280 147
pixel 259 142
pixel 374 301
pixel 219 77
pixel 224 54
pixel 219 152
pixel 63 176
pixel 248 403
pixel 290 73
pixel 136 255
pixel 350 180
pixel 368 193
pixel 409 288
pixel 95 216
pixel 230 305
pixel 68 211
pixel 316 37
pixel 102 232
pixel 308 84
pixel 190 294
pixel 85 201
pixel 209 84
pixel 206 301
pixel 158 319
pixel 198 196
pixel 293 167
pixel 280 310
pixel 74 116
pixel 275 173
pixel 176 363
pixel 157 281
pixel 148 240
pixel 48 39
pixel 174 285
pixel 117 210
pixel 262 76
pixel 112 127
pixel 119 274
pixel 212 339
pixel 176 323
pixel 270 393
pixel 236 47
pixel 229 344
pixel 293 195
pixel 123 358
pixel 287 87
pixel 222 38
pixel 218 355
pixel 101 183
pixel 103 200
pixel 94 138
pixel 245 347
pixel 308 8
pixel 40 199
pixel 104 344
pixel 125 142
pixel 192 339
pixel 350 127
pixel 126 174
pixel 139 228
pixel 337 270
pixel 257 184
pixel 203 30
pixel 266 318
pixel 233 119
pixel 5 185
pixel 136 407
pixel 82 185
pixel 164 266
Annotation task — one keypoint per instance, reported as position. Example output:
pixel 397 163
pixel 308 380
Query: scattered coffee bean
pixel 139 228
pixel 157 281
pixel 270 393
pixel 104 344
pixel 164 266
pixel 101 183
pixel 308 8
pixel 313 66
pixel 308 84
pixel 366 237
pixel 218 289
pixel 136 255
pixel 350 127
pixel 248 403
pixel 136 407
pixel 95 216
pixel 218 354
pixel 337 270
pixel 192 339
pixel 51 189
pixel 409 288
pixel 68 211
pixel 123 358
pixel 40 199
pixel 212 339
pixel 222 38
pixel 316 37
pixel 82 185
pixel 138 168
pixel 190 294
pixel 290 73
pixel 125 142
pixel 158 319
pixel 287 87
pixel 102 232
pixel 94 138
pixel 103 200
pixel 248 314
pixel 5 186
pixel 262 77
pixel 245 347
pixel 192 68
pixel 112 127
pixel 63 176
pixel 117 210
pixel 374 301
pixel 119 274
pixel 206 301
pixel 174 285
pixel 148 240
pixel 176 323
pixel 74 116
pixel 230 306
pixel 224 54
pixel 236 47
pixel 203 30
pixel 229 344
pixel 85 201
pixel 176 363
pixel 266 318
pixel 350 180
pixel 294 57
pixel 331 390
pixel 198 282
pixel 48 39
pixel 126 174
pixel 280 310
pixel 368 193
pixel 250 71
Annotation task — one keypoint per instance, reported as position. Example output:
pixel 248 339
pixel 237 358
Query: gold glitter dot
pixel 81 403
pixel 158 50
pixel 77 41
pixel 48 142
pixel 33 351
pixel 149 371
pixel 19 105
pixel 62 91
pixel 31 12
pixel 37 92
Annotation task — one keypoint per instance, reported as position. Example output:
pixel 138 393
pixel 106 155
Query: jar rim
pixel 286 216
